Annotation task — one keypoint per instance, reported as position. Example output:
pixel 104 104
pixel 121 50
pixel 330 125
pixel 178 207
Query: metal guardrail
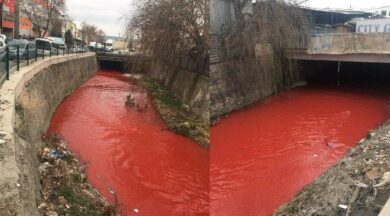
pixel 14 59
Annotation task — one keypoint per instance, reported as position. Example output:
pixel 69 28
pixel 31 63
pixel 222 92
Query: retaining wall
pixel 27 102
pixel 236 85
pixel 191 88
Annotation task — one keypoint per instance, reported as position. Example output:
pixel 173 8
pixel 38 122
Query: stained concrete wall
pixel 377 43
pixel 190 88
pixel 232 89
pixel 236 85
pixel 27 102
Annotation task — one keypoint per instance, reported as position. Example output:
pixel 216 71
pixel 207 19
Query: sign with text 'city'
pixel 373 26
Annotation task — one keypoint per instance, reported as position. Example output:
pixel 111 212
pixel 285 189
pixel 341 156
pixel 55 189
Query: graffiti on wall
pixel 349 43
pixel 373 26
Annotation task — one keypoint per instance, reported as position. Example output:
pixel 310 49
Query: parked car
pixel 57 42
pixel 25 48
pixel 74 49
pixel 98 47
pixel 3 37
pixel 44 46
pixel 2 49
pixel 78 49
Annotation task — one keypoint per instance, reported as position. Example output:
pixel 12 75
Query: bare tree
pixel 260 39
pixel 100 36
pixel 56 27
pixel 90 33
pixel 41 12
pixel 172 27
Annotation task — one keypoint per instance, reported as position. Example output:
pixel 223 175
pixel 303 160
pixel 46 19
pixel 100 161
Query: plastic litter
pixel 54 153
pixel 343 206
pixel 43 168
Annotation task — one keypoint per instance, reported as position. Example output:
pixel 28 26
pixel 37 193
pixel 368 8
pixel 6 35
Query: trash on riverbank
pixel 360 182
pixel 65 190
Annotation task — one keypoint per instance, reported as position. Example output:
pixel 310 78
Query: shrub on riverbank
pixel 176 114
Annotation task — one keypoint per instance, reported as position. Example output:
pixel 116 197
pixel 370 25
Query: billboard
pixel 25 23
pixel 373 26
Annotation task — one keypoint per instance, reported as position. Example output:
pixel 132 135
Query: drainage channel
pixel 129 153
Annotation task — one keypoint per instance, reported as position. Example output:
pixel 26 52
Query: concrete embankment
pixel 27 102
pixel 236 85
pixel 190 88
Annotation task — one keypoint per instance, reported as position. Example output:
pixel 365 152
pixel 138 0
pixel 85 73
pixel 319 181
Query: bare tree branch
pixel 41 12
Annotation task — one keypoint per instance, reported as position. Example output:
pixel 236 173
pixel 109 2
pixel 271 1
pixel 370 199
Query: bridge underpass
pixel 126 63
pixel 346 73
pixel 354 57
pixel 349 57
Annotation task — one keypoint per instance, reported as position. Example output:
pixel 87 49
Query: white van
pixel 57 42
pixel 44 46
pixel 2 46
pixel 3 37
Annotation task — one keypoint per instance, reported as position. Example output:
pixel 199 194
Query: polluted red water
pixel 262 156
pixel 129 152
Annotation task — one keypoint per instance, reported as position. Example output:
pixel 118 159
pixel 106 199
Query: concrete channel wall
pixel 27 102
pixel 231 91
pixel 189 87
pixel 236 86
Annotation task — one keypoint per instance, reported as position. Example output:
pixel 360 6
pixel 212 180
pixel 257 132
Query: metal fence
pixel 99 49
pixel 13 58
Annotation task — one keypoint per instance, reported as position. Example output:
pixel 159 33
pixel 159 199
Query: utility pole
pixel 17 20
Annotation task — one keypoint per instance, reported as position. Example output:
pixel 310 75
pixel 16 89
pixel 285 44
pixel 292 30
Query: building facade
pixel 7 17
pixel 381 11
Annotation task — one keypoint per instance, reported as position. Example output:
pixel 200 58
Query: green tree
pixel 68 38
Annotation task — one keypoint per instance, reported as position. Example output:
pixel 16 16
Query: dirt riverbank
pixel 65 190
pixel 358 185
pixel 177 115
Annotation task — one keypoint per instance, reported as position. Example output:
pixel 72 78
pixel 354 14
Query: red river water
pixel 262 156
pixel 153 171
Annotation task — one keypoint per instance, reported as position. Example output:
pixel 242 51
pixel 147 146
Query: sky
pixel 347 4
pixel 107 14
